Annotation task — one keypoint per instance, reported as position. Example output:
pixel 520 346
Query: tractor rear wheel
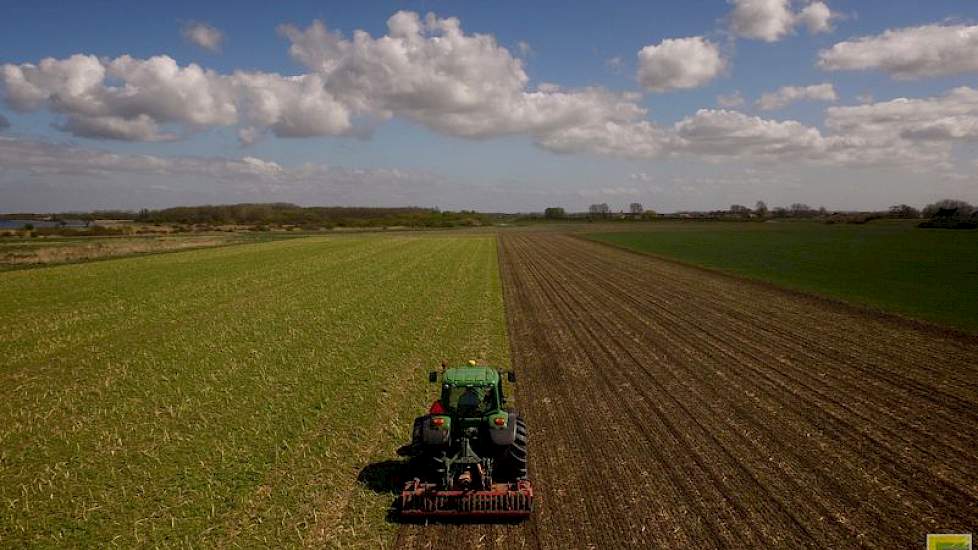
pixel 513 462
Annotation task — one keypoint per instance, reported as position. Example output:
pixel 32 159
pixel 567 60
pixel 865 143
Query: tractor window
pixel 472 401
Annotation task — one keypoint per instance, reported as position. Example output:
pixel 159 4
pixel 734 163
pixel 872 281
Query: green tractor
pixel 469 453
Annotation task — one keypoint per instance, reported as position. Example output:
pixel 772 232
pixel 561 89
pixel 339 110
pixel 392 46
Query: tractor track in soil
pixel 673 407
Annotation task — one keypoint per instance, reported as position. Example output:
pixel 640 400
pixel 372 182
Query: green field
pixel 927 274
pixel 228 396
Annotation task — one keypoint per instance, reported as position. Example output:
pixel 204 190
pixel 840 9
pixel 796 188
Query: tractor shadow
pixel 386 478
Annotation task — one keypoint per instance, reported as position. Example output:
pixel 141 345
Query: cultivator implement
pixel 503 501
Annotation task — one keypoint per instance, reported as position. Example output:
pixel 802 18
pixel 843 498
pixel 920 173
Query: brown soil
pixel 672 407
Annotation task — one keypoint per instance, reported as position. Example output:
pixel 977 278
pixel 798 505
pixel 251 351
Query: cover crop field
pixel 228 396
pixel 927 274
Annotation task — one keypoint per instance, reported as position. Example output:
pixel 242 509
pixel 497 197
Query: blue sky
pixel 575 45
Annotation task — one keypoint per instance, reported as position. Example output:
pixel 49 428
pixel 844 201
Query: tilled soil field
pixel 673 407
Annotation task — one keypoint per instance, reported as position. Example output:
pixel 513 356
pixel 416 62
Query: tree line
pixel 280 214
pixel 947 212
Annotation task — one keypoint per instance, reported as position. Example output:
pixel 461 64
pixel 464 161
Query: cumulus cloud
pixel 920 133
pixel 715 133
pixel 203 35
pixel 789 94
pixel 953 116
pixel 772 20
pixel 708 134
pixel 816 17
pixel 679 63
pixel 295 106
pixel 768 20
pixel 139 128
pixel 633 140
pixel 426 70
pixel 908 53
pixel 157 91
pixel 153 91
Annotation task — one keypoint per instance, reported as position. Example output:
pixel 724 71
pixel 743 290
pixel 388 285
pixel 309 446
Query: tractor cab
pixel 470 401
pixel 470 395
pixel 471 392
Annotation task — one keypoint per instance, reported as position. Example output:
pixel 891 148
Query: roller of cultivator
pixel 469 453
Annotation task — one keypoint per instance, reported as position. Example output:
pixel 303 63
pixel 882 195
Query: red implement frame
pixel 505 500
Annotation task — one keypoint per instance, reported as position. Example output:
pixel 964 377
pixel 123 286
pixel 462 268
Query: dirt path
pixel 672 407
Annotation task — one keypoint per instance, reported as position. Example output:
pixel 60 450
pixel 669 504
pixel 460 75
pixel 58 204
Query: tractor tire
pixel 420 463
pixel 416 430
pixel 513 462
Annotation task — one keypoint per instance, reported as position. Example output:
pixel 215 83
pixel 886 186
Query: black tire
pixel 416 430
pixel 512 464
pixel 422 464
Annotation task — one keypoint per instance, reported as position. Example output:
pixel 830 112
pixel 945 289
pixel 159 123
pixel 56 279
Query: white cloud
pixel 789 94
pixel 152 92
pixel 816 17
pixel 615 64
pixel 139 128
pixel 295 106
pixel 708 134
pixel 524 48
pixel 919 133
pixel 772 20
pixel 629 139
pixel 908 53
pixel 29 86
pixel 768 20
pixel 203 35
pixel 714 133
pixel 157 91
pixel 679 63
pixel 951 117
pixel 427 70
pixel 731 101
